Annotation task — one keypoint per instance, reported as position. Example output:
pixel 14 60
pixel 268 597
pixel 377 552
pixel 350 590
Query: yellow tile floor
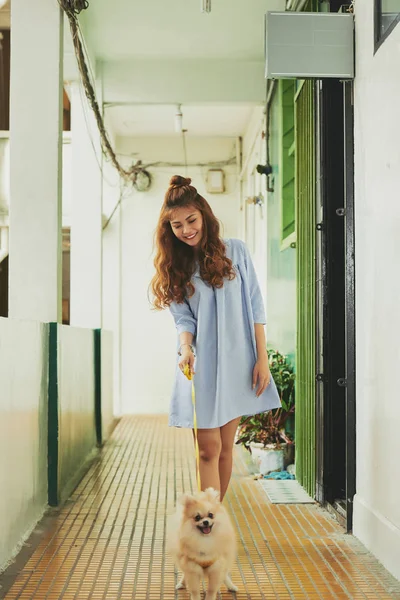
pixel 107 541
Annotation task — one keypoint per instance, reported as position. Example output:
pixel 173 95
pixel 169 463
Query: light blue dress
pixel 222 323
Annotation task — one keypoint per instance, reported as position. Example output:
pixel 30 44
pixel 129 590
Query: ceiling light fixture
pixel 206 6
pixel 179 120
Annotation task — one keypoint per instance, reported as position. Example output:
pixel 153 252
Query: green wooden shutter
pixel 287 161
pixel 305 226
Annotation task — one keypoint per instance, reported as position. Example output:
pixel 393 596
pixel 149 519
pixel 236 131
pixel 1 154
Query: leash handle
pixel 187 372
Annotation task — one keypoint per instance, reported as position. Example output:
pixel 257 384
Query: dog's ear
pixel 187 500
pixel 212 495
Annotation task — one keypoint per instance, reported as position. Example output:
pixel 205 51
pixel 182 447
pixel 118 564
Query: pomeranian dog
pixel 201 540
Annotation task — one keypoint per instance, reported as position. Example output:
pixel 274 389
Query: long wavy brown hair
pixel 175 261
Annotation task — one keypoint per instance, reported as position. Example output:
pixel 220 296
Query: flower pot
pixel 271 458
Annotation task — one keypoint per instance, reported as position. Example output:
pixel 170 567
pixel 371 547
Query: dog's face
pixel 201 511
pixel 201 527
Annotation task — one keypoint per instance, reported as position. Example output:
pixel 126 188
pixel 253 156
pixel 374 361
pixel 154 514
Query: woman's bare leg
pixel 210 449
pixel 228 432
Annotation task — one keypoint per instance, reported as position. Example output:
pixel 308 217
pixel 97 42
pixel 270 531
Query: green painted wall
pixel 290 273
pixel 281 272
pixel 305 351
pixel 286 91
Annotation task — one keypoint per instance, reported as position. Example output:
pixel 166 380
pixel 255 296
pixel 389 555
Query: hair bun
pixel 178 181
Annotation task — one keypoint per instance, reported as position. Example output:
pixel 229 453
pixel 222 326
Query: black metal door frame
pixel 331 316
pixel 335 306
pixel 350 376
pixel 320 276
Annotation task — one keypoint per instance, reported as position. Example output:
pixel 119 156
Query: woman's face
pixel 187 225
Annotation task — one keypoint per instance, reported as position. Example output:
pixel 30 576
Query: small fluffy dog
pixel 202 543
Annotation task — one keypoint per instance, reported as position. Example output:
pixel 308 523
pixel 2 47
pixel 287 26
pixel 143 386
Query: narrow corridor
pixel 107 541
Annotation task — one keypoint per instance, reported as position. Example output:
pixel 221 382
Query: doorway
pixel 335 349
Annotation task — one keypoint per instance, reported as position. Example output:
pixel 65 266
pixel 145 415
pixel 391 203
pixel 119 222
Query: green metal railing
pixel 305 223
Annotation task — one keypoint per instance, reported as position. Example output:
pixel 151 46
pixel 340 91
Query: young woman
pixel 211 289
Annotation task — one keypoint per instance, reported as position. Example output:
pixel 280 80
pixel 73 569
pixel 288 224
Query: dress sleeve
pixel 257 302
pixel 183 317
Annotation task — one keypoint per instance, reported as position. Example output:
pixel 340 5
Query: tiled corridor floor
pixel 107 541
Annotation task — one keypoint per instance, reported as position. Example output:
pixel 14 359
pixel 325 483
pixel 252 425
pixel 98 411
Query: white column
pixel 35 160
pixel 86 215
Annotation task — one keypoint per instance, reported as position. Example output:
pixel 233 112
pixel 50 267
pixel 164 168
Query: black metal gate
pixel 335 397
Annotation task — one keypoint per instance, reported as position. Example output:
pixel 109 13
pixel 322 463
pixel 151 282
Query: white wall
pixel 5 177
pixel 112 249
pixel 23 431
pixel 254 217
pixel 148 340
pixel 86 214
pixel 199 149
pixel 377 226
pixel 66 180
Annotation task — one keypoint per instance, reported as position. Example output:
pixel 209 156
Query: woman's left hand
pixel 261 375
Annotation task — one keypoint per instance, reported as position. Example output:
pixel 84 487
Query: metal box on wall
pixel 301 45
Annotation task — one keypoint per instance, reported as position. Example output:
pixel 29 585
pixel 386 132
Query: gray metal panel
pixel 309 45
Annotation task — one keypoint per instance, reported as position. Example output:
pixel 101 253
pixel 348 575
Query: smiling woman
pixel 187 225
pixel 211 289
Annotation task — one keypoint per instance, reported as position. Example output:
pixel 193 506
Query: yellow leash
pixel 188 373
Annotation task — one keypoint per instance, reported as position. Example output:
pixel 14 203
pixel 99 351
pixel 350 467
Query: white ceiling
pixel 154 53
pixel 152 120
pixel 178 29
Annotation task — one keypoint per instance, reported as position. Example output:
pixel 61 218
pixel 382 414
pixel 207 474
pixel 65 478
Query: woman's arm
pixel 261 372
pixel 186 325
pixel 187 356
pixel 186 339
pixel 256 299
pixel 261 342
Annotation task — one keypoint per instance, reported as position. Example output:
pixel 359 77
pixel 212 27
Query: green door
pixel 305 225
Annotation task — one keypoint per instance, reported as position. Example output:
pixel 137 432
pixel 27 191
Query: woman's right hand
pixel 187 358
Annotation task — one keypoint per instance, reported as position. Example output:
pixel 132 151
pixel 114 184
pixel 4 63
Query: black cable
pixel 74 6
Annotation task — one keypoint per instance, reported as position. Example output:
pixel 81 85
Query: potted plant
pixel 269 436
